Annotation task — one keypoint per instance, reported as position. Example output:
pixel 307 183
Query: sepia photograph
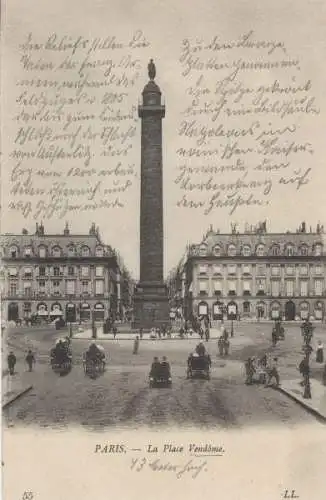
pixel 163 251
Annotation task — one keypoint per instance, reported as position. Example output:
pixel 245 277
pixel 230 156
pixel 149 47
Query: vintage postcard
pixel 163 251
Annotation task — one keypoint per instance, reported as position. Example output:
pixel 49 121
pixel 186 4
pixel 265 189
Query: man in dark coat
pixel 11 361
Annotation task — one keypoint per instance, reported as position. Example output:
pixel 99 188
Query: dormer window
pixel 99 252
pixel 85 251
pixel 42 252
pixel 28 252
pixel 260 250
pixel 56 251
pixel 318 249
pixel 13 252
pixel 304 250
pixel 275 250
pixel 246 251
pixel 232 251
pixel 71 251
pixel 203 250
pixel 217 251
pixel 289 251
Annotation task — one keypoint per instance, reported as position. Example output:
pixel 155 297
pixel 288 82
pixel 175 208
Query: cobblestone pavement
pixel 121 396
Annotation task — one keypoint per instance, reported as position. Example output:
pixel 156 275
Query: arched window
pixel 56 251
pixel 275 250
pixel 85 251
pixel 246 251
pixel 260 250
pixel 232 250
pixel 217 251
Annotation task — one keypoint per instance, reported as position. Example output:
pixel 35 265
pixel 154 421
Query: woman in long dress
pixel 320 352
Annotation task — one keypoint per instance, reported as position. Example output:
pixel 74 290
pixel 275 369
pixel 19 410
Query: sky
pixel 166 24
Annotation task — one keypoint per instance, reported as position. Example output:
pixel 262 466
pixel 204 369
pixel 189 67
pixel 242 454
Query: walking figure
pixel 272 372
pixel 30 360
pixel 136 345
pixel 220 345
pixel 11 361
pixel 250 370
pixel 320 352
pixel 115 331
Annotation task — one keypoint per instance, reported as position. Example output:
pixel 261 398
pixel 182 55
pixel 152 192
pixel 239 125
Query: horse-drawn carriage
pixel 94 360
pixel 61 357
pixel 199 366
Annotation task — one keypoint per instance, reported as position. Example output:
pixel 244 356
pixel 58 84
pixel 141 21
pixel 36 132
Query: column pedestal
pixel 151 306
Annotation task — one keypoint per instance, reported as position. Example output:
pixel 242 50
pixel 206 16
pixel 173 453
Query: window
pixel 71 251
pixel 70 287
pixel 275 271
pixel 232 269
pixel 303 270
pixel 99 287
pixel 303 288
pixel 41 271
pixel 27 272
pixel 217 269
pixel 261 270
pixel 318 269
pixel 246 307
pixel 246 251
pixel 84 271
pixel 42 252
pixel 28 251
pixel 217 287
pixel 13 251
pixel 289 270
pixel 289 251
pixel 232 251
pixel 202 269
pixel 275 250
pixel 318 249
pixel 99 252
pixel 203 284
pixel 261 287
pixel 303 250
pixel 13 272
pixel 260 250
pixel 289 288
pixel 318 287
pixel 85 286
pixel 13 289
pixel 217 251
pixel 202 250
pixel 56 271
pixel 27 288
pixel 275 288
pixel 71 270
pixel 56 252
pixel 56 284
pixel 42 284
pixel 232 286
pixel 246 287
pixel 85 251
pixel 246 269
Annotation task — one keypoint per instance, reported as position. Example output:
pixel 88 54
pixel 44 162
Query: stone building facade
pixel 75 276
pixel 256 274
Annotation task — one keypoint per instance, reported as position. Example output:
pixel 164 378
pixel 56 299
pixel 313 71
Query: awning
pixel 56 312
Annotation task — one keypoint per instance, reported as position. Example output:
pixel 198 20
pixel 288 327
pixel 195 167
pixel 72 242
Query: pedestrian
pixel 304 370
pixel 320 352
pixel 250 370
pixel 115 331
pixel 136 345
pixel 207 334
pixel 30 360
pixel 226 347
pixel 140 333
pixel 324 375
pixel 272 372
pixel 11 361
pixel 274 336
pixel 220 345
pixel 200 349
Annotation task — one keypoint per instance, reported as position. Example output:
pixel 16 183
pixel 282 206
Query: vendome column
pixel 151 305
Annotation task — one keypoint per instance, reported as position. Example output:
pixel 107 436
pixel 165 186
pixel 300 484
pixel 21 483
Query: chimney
pixel 66 231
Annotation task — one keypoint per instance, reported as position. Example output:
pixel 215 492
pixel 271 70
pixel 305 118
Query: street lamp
pixel 232 331
pixel 307 330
